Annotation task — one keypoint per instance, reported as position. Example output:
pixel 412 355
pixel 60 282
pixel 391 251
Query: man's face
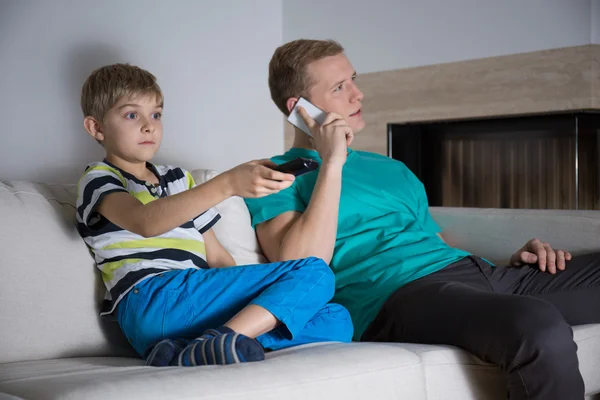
pixel 334 90
pixel 133 128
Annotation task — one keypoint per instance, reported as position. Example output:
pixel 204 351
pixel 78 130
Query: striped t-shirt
pixel 126 258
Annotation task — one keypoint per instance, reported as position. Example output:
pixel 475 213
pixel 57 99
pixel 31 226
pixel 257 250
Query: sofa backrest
pixel 496 233
pixel 50 292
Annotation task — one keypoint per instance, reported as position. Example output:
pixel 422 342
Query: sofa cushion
pixel 50 291
pixel 322 371
pixel 587 338
pixel 234 230
pixel 452 373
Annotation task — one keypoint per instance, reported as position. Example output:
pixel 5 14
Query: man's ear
pixel 94 128
pixel 290 103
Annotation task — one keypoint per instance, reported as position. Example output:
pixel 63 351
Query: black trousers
pixel 517 318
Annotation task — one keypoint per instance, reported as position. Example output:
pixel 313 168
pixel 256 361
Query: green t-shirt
pixel 386 237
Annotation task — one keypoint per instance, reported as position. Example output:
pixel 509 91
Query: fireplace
pixel 549 161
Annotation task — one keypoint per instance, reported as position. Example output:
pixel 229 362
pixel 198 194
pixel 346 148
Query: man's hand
pixel 332 138
pixel 542 254
pixel 256 179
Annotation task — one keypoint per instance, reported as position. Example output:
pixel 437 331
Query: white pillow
pixel 234 229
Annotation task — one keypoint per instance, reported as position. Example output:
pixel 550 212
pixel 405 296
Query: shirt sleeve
pixel 208 218
pixel 422 203
pixel 268 207
pixel 94 185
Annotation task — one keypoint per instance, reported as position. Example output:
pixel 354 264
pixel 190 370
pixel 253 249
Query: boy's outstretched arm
pixel 216 255
pixel 253 179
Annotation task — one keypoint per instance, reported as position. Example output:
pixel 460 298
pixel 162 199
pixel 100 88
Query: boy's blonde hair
pixel 107 85
pixel 287 68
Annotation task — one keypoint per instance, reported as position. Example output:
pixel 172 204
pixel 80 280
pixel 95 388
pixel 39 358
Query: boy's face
pixel 132 129
pixel 334 89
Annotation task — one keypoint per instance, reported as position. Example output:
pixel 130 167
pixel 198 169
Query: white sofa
pixel 54 346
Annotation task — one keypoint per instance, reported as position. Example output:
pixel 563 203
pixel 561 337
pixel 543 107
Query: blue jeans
pixel 184 303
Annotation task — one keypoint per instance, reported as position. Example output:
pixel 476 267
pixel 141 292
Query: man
pixel 367 216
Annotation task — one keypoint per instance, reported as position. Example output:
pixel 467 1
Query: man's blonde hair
pixel 287 69
pixel 107 85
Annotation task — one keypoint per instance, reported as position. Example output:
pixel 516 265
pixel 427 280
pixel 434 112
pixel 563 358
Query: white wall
pixel 210 58
pixel 595 14
pixel 390 34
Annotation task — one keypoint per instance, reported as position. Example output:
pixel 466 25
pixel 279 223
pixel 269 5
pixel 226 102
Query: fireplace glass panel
pixel 541 162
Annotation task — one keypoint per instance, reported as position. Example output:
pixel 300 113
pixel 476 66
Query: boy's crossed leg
pixel 282 305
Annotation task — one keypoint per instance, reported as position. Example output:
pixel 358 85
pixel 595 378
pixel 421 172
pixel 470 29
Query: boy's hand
pixel 256 179
pixel 332 138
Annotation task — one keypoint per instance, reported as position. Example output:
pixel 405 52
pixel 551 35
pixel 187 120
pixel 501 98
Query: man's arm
pixel 252 179
pixel 216 255
pixel 294 235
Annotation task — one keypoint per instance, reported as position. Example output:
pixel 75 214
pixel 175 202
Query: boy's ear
pixel 290 103
pixel 94 128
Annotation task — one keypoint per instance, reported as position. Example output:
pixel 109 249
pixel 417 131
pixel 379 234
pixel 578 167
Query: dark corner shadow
pixel 110 327
pixel 78 64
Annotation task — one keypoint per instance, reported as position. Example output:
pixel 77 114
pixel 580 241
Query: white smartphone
pixel 315 113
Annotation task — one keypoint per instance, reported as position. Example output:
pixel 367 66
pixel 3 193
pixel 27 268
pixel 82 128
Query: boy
pixel 166 273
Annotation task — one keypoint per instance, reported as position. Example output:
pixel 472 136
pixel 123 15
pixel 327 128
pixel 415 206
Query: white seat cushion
pixel 318 371
pixel 452 373
pixel 587 338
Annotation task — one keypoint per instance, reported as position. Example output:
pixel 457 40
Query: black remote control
pixel 298 167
